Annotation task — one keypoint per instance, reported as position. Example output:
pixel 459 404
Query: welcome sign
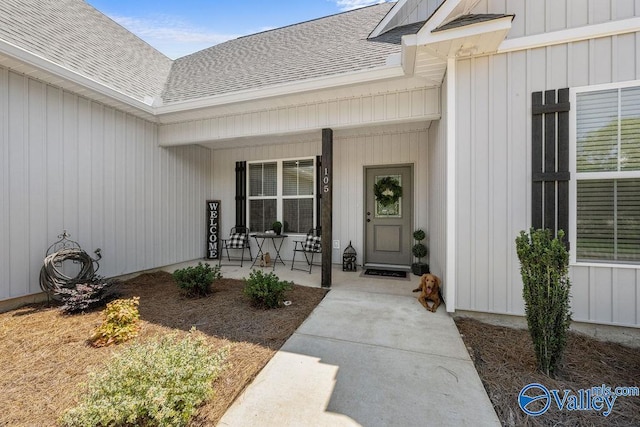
pixel 213 222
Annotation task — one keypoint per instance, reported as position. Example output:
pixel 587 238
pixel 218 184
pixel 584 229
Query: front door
pixel 388 227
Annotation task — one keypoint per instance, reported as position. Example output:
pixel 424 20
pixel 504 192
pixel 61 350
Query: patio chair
pixel 309 247
pixel 238 240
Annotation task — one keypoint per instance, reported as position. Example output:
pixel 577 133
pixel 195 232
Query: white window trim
pixel 573 183
pixel 280 197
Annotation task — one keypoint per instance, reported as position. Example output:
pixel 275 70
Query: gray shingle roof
pixel 327 46
pixel 469 20
pixel 73 34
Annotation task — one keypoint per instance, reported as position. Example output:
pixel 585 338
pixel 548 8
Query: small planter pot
pixel 419 268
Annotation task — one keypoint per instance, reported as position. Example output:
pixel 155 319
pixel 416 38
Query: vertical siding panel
pixel 535 14
pixel 625 56
pixel 579 53
pixel 482 192
pixel 624 9
pixel 18 185
pixel 344 108
pixel 578 13
pixel 601 291
pixel 130 194
pixel 557 66
pixel 556 11
pixel 37 196
pixel 624 299
pixel 71 160
pixel 519 168
pixel 519 24
pixel 5 213
pixel 54 190
pixel 602 50
pixel 498 138
pixel 580 294
pixel 96 178
pixel 110 237
pixel 84 206
pixel 120 184
pixel 404 105
pixel 599 11
pixel 464 183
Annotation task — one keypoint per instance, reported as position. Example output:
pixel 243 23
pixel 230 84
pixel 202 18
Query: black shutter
pixel 550 157
pixel 241 194
pixel 318 191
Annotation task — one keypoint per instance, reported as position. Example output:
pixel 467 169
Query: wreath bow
pixel 387 191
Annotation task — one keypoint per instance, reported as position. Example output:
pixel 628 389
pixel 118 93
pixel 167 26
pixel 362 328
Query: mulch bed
pixel 505 360
pixel 45 357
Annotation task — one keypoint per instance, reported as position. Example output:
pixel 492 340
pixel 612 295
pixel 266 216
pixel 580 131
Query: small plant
pixel 159 383
pixel 419 251
pixel 265 291
pixel 196 281
pixel 544 268
pixel 120 323
pixel 277 227
pixel 87 294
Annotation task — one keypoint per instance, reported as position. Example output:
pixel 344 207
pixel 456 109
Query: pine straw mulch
pixel 505 359
pixel 45 358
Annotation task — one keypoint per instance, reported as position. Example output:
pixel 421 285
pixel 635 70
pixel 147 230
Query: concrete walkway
pixel 369 355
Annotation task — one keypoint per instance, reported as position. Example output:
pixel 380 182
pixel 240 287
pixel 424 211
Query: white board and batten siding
pixel 352 151
pixel 68 163
pixel 544 16
pixel 494 156
pixel 437 203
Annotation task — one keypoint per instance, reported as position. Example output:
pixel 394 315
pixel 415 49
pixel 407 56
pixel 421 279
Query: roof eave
pixel 393 70
pixel 60 72
pixel 428 36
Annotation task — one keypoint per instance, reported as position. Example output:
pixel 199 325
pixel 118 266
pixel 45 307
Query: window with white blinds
pixel 608 175
pixel 282 190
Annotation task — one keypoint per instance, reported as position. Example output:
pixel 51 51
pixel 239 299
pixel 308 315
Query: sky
pixel 178 28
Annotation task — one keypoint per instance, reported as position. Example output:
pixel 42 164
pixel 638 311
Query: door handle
pixel 368 213
pixel 368 220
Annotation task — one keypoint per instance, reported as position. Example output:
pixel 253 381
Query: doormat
pixel 390 274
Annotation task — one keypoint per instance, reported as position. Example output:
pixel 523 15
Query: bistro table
pixel 261 238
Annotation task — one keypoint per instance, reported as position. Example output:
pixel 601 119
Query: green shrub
pixel 120 323
pixel 544 268
pixel 265 291
pixel 196 281
pixel 160 383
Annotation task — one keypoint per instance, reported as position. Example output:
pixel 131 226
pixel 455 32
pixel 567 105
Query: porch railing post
pixel 327 205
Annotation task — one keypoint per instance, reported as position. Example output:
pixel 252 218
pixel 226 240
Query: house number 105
pixel 325 181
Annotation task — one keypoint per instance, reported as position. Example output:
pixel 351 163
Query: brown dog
pixel 429 291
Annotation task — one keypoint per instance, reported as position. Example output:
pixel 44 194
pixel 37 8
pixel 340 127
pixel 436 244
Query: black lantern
pixel 349 258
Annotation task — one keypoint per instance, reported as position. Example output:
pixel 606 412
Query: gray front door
pixel 388 228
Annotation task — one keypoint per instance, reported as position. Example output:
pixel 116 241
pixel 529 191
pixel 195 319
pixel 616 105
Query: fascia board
pixel 50 67
pixel 605 29
pixel 285 89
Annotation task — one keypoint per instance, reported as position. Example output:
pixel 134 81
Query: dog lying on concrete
pixel 429 291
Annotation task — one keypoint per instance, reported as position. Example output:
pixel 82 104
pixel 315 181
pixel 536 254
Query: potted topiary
pixel 277 227
pixel 419 251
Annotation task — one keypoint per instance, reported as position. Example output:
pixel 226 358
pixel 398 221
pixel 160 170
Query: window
pixel 607 165
pixel 282 190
